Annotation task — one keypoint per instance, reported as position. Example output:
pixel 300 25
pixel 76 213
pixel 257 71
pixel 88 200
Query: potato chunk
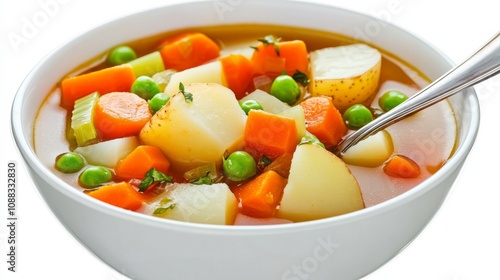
pixel 206 204
pixel 108 153
pixel 268 102
pixel 319 186
pixel 198 132
pixel 205 73
pixel 349 74
pixel 297 114
pixel 372 151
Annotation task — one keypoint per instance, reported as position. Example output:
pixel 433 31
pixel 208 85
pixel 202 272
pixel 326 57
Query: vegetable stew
pixel 234 125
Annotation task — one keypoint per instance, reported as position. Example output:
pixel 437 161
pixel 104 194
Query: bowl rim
pixel 35 165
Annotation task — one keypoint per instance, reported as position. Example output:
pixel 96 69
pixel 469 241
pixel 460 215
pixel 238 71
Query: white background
pixel 463 240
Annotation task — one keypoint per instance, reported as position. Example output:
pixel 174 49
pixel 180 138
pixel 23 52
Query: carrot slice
pixel 121 194
pixel 269 134
pixel 402 167
pixel 120 114
pixel 238 73
pixel 260 196
pixel 324 120
pixel 136 164
pixel 188 50
pixel 293 56
pixel 117 78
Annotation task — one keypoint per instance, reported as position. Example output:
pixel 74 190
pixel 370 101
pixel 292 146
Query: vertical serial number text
pixel 11 216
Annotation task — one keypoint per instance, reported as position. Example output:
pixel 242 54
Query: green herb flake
pixel 263 162
pixel 311 139
pixel 270 40
pixel 164 205
pixel 153 176
pixel 301 78
pixel 205 180
pixel 162 210
pixel 165 200
pixel 188 97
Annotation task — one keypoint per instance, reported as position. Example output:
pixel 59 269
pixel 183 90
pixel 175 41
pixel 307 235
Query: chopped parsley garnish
pixel 188 97
pixel 162 210
pixel 205 180
pixel 301 78
pixel 263 162
pixel 311 139
pixel 270 40
pixel 165 205
pixel 306 140
pixel 153 176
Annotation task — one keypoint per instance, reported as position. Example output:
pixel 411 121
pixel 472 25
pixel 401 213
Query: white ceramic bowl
pixel 142 247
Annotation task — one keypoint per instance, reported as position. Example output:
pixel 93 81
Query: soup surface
pixel 204 156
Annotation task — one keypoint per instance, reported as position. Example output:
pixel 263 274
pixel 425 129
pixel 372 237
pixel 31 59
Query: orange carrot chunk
pixel 117 78
pixel 293 56
pixel 188 50
pixel 238 73
pixel 269 134
pixel 323 120
pixel 260 196
pixel 120 114
pixel 402 167
pixel 136 164
pixel 121 194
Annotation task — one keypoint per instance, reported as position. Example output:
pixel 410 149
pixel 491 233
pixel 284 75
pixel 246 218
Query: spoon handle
pixel 483 64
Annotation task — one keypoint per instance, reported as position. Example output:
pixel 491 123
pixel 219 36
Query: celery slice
pixel 82 120
pixel 148 65
pixel 209 169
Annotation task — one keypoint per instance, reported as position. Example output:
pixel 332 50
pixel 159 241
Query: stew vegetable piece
pixel 201 127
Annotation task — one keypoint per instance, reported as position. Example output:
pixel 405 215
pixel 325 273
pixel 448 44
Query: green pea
pixel 145 87
pixel 120 55
pixel 286 89
pixel 391 99
pixel 357 116
pixel 250 104
pixel 70 162
pixel 239 166
pixel 310 138
pixel 158 101
pixel 94 176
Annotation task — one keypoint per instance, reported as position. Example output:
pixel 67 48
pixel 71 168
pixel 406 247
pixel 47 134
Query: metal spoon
pixel 482 65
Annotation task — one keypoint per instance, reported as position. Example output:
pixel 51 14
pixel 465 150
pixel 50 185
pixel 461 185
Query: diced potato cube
pixel 268 102
pixel 370 152
pixel 198 132
pixel 319 186
pixel 108 153
pixel 296 113
pixel 205 73
pixel 206 204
